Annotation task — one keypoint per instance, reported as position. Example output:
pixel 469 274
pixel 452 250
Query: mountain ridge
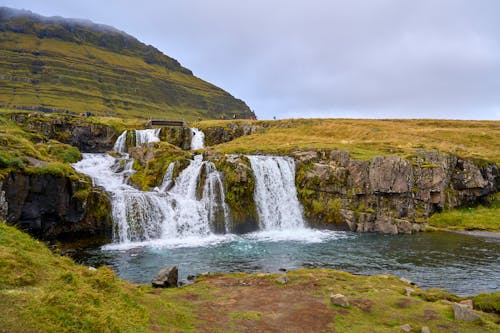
pixel 53 63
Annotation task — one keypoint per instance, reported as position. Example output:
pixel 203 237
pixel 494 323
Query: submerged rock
pixel 166 278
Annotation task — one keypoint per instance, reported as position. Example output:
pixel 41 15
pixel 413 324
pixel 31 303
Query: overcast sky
pixel 323 58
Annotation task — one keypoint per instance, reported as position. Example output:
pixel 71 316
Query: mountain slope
pixel 66 64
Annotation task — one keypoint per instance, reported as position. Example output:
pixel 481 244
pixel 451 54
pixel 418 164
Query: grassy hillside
pixel 43 292
pixel 58 64
pixel 368 138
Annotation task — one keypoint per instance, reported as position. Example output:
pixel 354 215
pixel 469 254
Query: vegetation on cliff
pixel 152 161
pixel 56 64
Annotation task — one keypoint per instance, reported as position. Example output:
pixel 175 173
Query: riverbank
pixel 40 291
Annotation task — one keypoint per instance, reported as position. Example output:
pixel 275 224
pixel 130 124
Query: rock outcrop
pixel 215 135
pixel 86 136
pixel 56 207
pixel 239 183
pixel 388 194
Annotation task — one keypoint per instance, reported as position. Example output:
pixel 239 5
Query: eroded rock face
pixel 178 136
pixel 239 186
pixel 51 207
pixel 86 136
pixel 388 194
pixel 218 134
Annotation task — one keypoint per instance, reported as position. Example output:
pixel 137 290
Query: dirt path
pixel 260 305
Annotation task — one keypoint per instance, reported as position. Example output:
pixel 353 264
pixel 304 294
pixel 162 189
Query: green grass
pixel 42 292
pixel 471 218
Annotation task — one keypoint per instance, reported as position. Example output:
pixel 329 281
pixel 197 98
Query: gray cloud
pixel 386 58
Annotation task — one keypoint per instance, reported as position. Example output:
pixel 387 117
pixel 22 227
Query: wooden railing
pixel 159 122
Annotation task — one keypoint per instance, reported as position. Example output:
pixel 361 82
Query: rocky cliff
pixel 53 206
pixel 389 194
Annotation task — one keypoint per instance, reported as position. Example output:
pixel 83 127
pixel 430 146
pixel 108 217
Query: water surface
pixel 461 264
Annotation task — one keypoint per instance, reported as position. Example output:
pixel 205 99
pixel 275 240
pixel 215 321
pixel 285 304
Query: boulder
pixel 463 313
pixel 468 303
pixel 405 328
pixel 283 279
pixel 166 278
pixel 339 299
pixel 425 329
pixel 409 291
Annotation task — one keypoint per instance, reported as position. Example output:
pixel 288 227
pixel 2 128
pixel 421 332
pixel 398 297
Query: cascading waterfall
pixel 275 193
pixel 121 143
pixel 194 207
pixel 197 139
pixel 147 135
pixel 141 137
pixel 168 179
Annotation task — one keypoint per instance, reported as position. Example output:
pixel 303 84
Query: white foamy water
pixel 168 179
pixel 187 213
pixel 147 135
pixel 302 235
pixel 197 139
pixel 121 143
pixel 275 194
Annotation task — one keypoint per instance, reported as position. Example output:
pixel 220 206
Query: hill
pixel 58 64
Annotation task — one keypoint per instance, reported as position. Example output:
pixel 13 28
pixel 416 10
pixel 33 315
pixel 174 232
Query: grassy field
pixel 368 138
pixel 43 292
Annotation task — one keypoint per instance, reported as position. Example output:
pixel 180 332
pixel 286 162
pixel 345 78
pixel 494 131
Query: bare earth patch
pixel 261 305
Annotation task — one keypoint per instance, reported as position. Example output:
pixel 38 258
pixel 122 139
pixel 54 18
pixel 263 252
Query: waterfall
pixel 275 193
pixel 197 139
pixel 194 207
pixel 147 135
pixel 121 143
pixel 168 179
pixel 141 137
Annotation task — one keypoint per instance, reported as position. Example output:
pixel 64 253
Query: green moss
pixel 239 190
pixel 64 153
pixel 82 194
pixel 488 302
pixel 9 161
pixel 433 295
pixel 149 173
pixel 55 169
